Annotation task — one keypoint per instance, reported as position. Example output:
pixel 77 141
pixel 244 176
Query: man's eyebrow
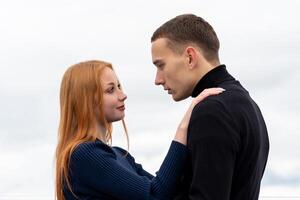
pixel 157 62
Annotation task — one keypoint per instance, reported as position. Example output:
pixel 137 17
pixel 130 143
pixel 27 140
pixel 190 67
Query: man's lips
pixel 169 90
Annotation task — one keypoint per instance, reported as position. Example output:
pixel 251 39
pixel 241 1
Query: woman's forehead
pixel 109 76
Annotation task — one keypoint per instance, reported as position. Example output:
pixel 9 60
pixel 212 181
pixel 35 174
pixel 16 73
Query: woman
pixel 87 167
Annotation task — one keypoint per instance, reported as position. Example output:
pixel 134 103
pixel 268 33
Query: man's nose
pixel 158 79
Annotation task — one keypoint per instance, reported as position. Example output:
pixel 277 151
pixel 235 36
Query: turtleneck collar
pixel 213 78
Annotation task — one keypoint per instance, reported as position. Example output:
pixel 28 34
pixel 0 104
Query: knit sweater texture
pixel 227 143
pixel 98 171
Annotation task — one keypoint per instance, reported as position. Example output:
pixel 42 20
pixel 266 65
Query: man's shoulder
pixel 224 108
pixel 210 104
pixel 231 99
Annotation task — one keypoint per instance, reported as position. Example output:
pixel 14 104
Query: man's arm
pixel 213 145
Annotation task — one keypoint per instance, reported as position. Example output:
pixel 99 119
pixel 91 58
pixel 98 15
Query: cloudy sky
pixel 260 44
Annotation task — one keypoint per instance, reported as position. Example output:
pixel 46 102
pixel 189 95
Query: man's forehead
pixel 159 49
pixel 159 43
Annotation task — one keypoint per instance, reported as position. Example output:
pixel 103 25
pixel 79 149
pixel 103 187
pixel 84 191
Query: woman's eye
pixel 110 90
pixel 119 86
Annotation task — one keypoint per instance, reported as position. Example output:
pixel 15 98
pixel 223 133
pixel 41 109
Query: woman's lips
pixel 121 108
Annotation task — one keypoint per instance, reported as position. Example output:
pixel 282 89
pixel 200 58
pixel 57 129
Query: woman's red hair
pixel 81 96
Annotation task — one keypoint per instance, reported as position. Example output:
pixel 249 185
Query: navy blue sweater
pixel 98 171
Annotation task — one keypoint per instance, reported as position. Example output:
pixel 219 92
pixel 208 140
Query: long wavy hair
pixel 81 96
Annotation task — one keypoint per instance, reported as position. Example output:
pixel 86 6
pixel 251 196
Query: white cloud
pixel 40 39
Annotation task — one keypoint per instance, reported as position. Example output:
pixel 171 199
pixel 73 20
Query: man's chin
pixel 178 98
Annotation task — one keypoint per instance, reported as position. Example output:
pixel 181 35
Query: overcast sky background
pixel 39 40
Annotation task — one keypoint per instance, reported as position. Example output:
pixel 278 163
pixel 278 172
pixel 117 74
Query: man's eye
pixel 161 66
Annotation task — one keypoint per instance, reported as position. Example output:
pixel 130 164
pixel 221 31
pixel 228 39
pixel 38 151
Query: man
pixel 227 137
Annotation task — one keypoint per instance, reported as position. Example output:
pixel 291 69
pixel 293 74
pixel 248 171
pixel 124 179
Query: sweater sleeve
pixel 99 170
pixel 142 172
pixel 213 149
pixel 139 168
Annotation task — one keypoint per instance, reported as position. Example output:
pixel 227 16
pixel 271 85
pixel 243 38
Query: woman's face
pixel 113 96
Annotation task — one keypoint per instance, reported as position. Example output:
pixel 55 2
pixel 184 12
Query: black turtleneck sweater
pixel 227 142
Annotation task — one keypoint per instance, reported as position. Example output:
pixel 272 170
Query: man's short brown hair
pixel 189 29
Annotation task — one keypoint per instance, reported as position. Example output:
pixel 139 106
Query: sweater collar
pixel 212 79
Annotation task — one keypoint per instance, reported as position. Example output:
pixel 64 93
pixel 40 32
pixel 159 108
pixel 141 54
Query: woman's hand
pixel 181 133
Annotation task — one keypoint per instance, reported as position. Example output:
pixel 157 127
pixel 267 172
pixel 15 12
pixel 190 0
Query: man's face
pixel 171 69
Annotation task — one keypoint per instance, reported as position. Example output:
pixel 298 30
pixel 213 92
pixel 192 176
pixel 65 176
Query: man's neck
pixel 203 69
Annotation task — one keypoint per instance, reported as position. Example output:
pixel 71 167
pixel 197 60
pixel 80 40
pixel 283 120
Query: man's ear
pixel 191 56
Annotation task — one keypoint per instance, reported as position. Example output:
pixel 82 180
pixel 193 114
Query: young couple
pixel 219 150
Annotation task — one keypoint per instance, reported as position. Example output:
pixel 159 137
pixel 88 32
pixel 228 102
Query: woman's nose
pixel 122 96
